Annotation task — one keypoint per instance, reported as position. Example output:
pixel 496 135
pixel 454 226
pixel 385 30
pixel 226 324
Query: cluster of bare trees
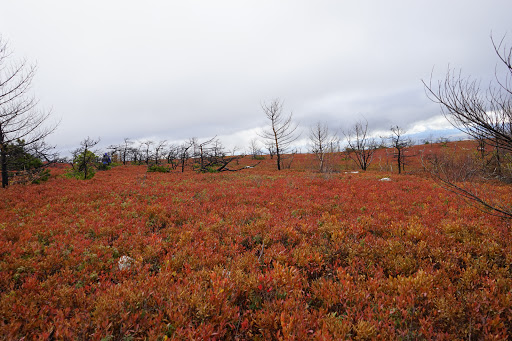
pixel 361 145
pixel 323 142
pixel 204 156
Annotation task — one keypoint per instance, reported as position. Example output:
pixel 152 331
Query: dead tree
pixel 271 148
pixel 184 153
pixel 202 151
pixel 146 147
pixel 124 150
pixel 282 132
pixel 321 142
pixel 172 156
pixel 254 148
pixel 20 121
pixel 400 143
pixel 159 147
pixel 361 147
pixel 484 114
pixel 135 153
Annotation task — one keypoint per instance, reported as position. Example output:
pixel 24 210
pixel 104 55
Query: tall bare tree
pixel 361 147
pixel 321 142
pixel 20 121
pixel 484 114
pixel 282 131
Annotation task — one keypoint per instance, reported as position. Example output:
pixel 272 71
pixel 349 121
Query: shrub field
pixel 255 254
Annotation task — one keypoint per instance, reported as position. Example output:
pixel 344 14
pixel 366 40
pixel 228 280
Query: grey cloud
pixel 180 69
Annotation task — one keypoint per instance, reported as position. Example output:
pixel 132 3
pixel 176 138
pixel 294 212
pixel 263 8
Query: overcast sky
pixel 178 69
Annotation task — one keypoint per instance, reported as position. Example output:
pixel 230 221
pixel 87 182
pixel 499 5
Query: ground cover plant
pixel 254 254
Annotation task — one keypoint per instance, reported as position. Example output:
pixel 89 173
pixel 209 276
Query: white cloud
pixel 434 123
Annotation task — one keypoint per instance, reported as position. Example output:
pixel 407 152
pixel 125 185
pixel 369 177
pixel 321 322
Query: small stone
pixel 125 263
pixel 385 179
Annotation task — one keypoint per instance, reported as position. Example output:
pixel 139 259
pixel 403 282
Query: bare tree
pixel 202 151
pixel 360 146
pixel 321 143
pixel 184 152
pixel 281 131
pixel 400 143
pixel 146 147
pixel 484 114
pixel 217 149
pixel 270 146
pixel 234 151
pixel 159 147
pixel 114 152
pixel 124 149
pixel 136 154
pixel 254 148
pixel 172 155
pixel 20 122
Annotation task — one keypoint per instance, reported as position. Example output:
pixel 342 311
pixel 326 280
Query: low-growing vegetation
pixel 257 254
pixel 384 241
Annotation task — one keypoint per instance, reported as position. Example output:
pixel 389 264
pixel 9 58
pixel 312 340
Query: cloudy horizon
pixel 175 70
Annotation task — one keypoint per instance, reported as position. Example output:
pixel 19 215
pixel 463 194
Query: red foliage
pixel 252 254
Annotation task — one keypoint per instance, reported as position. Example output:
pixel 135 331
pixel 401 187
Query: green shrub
pixel 42 176
pixel 211 169
pixel 76 174
pixel 23 166
pixel 84 165
pixel 103 166
pixel 159 169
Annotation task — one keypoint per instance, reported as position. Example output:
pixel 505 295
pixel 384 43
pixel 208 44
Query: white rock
pixel 385 179
pixel 125 263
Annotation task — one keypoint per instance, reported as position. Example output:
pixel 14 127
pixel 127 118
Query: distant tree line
pixel 485 115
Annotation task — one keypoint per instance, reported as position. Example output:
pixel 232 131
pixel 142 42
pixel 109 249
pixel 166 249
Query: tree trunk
pixel 278 154
pixel 399 159
pixel 85 164
pixel 3 161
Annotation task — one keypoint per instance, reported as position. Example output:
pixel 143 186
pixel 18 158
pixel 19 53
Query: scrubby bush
pixel 103 166
pixel 84 165
pixel 158 169
pixel 23 166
